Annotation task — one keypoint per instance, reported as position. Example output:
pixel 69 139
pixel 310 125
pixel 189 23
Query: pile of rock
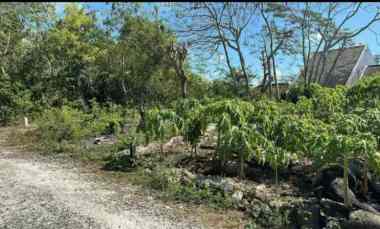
pixel 174 144
pixel 147 149
pixel 325 209
pixel 329 188
pixel 228 186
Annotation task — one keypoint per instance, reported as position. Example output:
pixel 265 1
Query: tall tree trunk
pixel 227 58
pixel 263 84
pixel 243 68
pixel 311 76
pixel 275 77
pixel 323 72
pixel 306 48
pixel 269 68
pixel 184 87
pixel 181 74
pixel 305 61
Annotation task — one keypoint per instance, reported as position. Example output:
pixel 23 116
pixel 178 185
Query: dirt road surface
pixel 38 194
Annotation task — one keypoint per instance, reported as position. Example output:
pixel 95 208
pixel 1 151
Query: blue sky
pixel 286 66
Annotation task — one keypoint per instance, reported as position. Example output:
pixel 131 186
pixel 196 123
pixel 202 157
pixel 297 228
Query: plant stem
pixel 347 201
pixel 131 150
pixel 147 140
pixel 276 170
pixel 218 151
pixel 241 165
pixel 161 149
pixel 365 177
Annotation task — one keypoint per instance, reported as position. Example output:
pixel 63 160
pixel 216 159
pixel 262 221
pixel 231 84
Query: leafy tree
pixel 139 56
pixel 20 23
pixel 72 41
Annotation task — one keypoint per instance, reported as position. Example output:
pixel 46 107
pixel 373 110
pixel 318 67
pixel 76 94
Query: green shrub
pixel 193 194
pixel 372 117
pixel 106 120
pixel 366 93
pixel 121 162
pixel 163 178
pixel 62 124
pixel 296 92
pixel 319 101
pixel 14 105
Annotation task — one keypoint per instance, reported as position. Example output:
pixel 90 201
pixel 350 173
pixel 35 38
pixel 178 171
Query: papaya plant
pixel 342 148
pixel 240 139
pixel 366 150
pixel 160 124
pixel 193 128
pixel 228 115
pixel 194 124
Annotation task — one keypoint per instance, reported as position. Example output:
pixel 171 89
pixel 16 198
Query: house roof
pixel 371 70
pixel 347 59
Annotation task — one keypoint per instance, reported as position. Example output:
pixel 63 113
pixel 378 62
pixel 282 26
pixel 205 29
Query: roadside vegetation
pixel 123 97
pixel 196 154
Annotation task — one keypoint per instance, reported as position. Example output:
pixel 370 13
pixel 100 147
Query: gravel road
pixel 40 194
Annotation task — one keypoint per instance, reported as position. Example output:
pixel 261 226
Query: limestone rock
pixel 362 220
pixel 173 143
pixel 187 177
pixel 228 186
pixel 337 187
pixel 261 192
pixel 237 196
pixel 334 208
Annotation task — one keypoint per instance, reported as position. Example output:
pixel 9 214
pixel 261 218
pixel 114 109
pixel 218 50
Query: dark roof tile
pixel 347 60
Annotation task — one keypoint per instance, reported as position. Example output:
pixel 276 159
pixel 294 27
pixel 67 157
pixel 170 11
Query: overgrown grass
pixel 167 181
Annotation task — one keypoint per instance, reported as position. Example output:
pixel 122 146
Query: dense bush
pixel 318 100
pixel 68 124
pixel 63 124
pixel 366 93
pixel 107 119
pixel 14 104
pixel 297 91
